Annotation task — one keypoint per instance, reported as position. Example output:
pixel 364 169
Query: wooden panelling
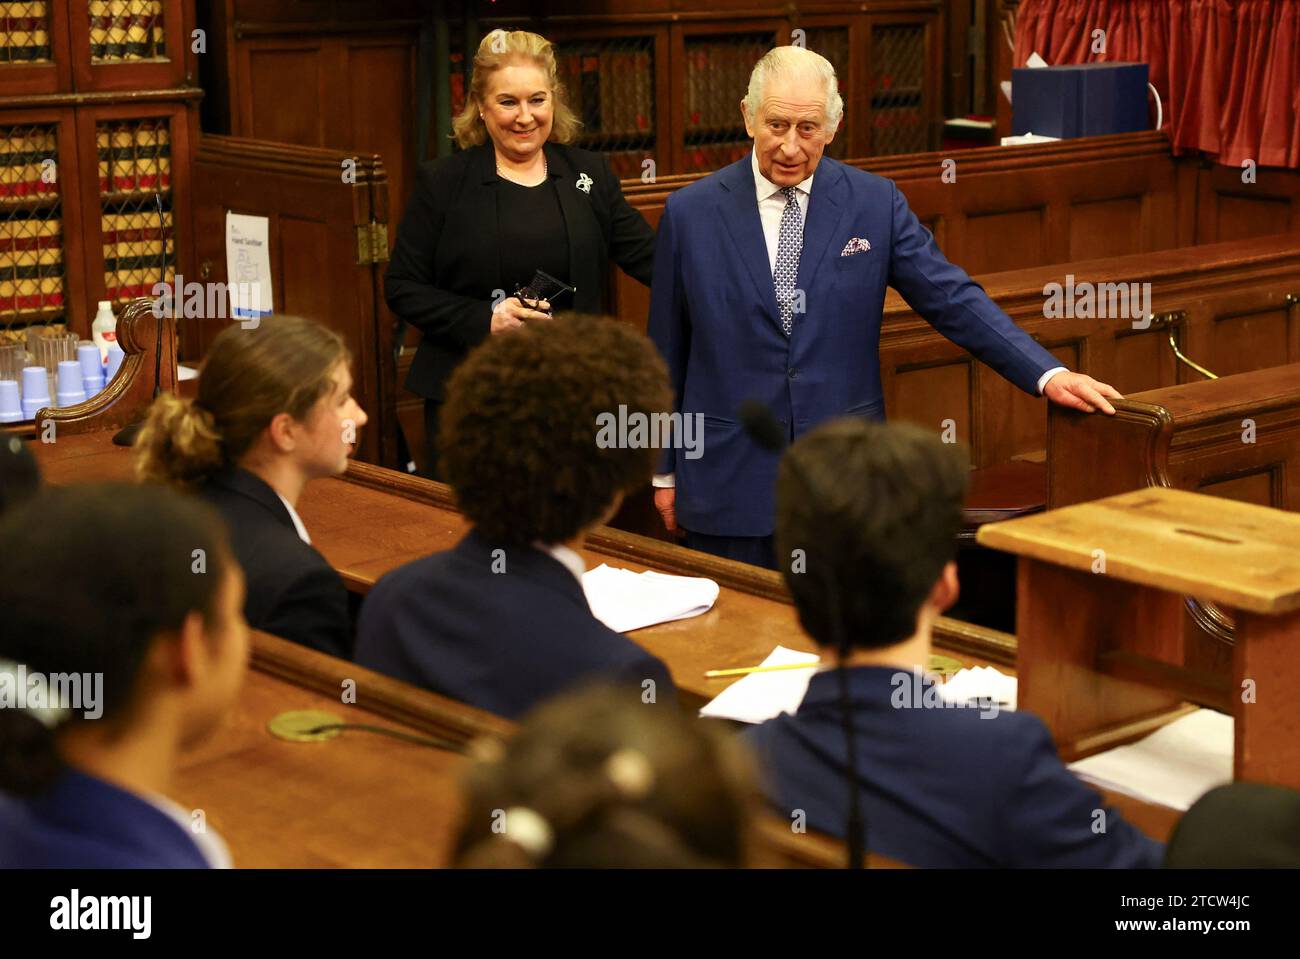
pixel 270 108
pixel 998 240
pixel 1237 437
pixel 938 397
pixel 314 218
pixel 1230 209
pixel 1106 227
pixel 1256 487
pixel 1238 340
pixel 338 91
pixel 1197 289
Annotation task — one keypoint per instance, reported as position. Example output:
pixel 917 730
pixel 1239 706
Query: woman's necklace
pixel 505 176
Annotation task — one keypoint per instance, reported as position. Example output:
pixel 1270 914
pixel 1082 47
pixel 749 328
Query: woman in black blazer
pixel 515 199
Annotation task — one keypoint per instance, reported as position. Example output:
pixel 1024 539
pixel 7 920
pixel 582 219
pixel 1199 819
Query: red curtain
pixel 1228 71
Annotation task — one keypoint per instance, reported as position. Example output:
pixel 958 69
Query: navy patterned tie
pixel 788 246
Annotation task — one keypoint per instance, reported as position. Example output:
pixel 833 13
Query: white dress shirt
pixel 771 204
pixel 212 847
pixel 572 561
pixel 297 520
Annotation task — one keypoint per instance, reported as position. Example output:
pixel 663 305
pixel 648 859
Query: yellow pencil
pixel 937 664
pixel 744 670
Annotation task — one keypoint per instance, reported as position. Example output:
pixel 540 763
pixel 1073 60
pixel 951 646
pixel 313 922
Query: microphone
pixel 764 429
pixel 127 435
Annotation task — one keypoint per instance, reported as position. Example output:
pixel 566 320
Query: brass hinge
pixel 372 243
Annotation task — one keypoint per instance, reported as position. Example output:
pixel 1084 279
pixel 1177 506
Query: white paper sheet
pixel 624 600
pixel 762 696
pixel 1174 766
pixel 248 267
pixel 981 683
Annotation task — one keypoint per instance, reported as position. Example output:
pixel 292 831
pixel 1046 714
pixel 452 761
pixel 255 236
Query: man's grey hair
pixel 792 62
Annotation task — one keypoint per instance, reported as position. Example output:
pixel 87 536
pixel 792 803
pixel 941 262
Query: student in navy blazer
pixel 501 621
pixel 274 411
pixel 769 285
pixel 137 657
pixel 874 509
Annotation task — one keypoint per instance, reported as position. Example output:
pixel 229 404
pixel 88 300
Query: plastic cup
pixel 115 357
pixel 71 391
pixel 92 369
pixel 11 408
pixel 36 391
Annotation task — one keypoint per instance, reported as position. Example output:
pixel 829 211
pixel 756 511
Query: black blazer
pixel 446 264
pixel 292 591
pixel 500 638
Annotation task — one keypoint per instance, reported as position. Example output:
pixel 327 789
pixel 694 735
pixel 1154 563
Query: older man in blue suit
pixel 770 286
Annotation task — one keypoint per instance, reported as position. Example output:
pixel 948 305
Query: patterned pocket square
pixel 856 245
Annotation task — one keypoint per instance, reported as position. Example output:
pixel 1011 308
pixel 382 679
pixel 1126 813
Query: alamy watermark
pixel 637 430
pixel 912 690
pixel 201 301
pixel 1085 300
pixel 51 697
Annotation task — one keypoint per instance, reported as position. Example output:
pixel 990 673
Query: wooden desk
pixel 1116 658
pixel 373 520
pixel 1192 437
pixel 362 800
pixel 358 800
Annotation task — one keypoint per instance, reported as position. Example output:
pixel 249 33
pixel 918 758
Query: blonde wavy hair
pixel 248 377
pixel 499 49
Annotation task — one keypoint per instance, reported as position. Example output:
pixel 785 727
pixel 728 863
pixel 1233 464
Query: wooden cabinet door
pixel 34 55
pixel 318 219
pixel 131 45
pixel 41 255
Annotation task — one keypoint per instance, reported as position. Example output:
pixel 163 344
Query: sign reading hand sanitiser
pixel 248 266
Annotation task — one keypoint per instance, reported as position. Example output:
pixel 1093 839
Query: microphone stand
pixel 767 433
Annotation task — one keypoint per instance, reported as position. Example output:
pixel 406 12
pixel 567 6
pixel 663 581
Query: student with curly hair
pixel 274 411
pixel 501 621
pixel 595 780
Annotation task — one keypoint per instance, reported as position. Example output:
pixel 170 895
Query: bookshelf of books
pixel 668 87
pixel 97 113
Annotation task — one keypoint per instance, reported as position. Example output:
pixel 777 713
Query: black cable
pixel 429 741
pixel 157 353
pixel 764 429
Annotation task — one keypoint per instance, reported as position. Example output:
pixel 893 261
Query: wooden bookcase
pixel 97 115
pixel 659 80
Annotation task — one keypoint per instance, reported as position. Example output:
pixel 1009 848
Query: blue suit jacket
pixel 941 787
pixel 714 317
pixel 501 641
pixel 83 822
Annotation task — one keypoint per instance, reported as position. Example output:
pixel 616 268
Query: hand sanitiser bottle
pixel 104 330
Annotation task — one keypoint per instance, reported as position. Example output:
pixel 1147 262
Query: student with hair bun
pixel 274 411
pixel 138 650
pixel 596 780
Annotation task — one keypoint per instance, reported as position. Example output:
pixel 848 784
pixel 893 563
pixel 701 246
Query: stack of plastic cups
pixel 71 390
pixel 12 360
pixel 11 410
pixel 92 369
pixel 36 391
pixel 115 356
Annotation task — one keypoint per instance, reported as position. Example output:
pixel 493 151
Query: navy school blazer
pixel 83 822
pixel 715 320
pixel 941 787
pixel 292 591
pixel 502 641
